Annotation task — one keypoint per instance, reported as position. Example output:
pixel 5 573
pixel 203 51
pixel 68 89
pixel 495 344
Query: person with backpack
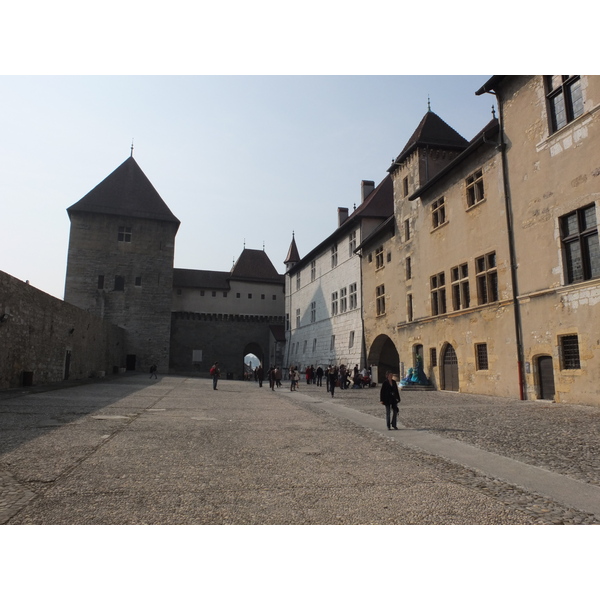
pixel 215 373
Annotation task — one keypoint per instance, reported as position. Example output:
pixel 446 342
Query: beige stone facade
pixel 491 264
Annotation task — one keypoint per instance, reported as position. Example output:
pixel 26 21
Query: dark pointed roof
pixel 253 265
pixel 293 256
pixel 432 132
pixel 126 192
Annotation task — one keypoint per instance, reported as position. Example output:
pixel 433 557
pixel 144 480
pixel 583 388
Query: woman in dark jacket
pixel 390 397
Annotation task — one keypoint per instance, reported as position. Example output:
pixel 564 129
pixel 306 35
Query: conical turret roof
pixel 126 192
pixel 254 265
pixel 293 255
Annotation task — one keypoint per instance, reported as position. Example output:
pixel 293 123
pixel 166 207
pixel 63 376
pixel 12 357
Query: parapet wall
pixel 46 340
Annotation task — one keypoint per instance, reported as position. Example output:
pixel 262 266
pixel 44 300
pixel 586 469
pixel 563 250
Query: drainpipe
pixel 512 250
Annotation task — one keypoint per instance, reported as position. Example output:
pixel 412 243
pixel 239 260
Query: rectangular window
pixel 297 280
pixel 351 339
pixel 304 346
pixel 313 312
pixel 405 186
pixel 581 251
pixel 379 257
pixel 100 282
pixel 370 257
pixel 565 99
pixel 408 266
pixel 433 357
pixel 352 243
pixel 481 357
pixel 249 296
pixel 262 296
pixel 274 296
pixel 297 317
pixel 238 295
pixel 409 308
pixel 287 321
pixel 119 283
pixel 313 270
pixel 438 294
pixel 438 212
pixel 353 296
pixel 343 300
pixel 380 300
pixel 332 343
pixel 460 287
pixel 569 348
pixel 124 234
pixel 487 278
pixel 314 345
pixel 334 256
pixel 406 230
pixel 138 282
pixel 224 294
pixel 475 188
pixel 202 292
pixel 214 294
pixel 334 303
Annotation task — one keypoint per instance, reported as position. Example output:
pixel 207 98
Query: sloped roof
pixel 126 192
pixel 431 132
pixel 192 278
pixel 255 265
pixel 379 204
pixel 293 256
pixel 488 134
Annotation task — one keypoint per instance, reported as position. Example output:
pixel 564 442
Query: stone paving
pixel 130 451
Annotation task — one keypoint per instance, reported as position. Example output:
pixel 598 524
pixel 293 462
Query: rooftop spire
pixel 428 104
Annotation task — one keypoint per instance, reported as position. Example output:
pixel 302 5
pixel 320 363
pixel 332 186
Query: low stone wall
pixel 45 340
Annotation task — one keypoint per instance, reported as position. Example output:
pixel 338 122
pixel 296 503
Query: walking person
pixel 259 375
pixel 320 376
pixel 389 396
pixel 153 372
pixel 332 376
pixel 277 375
pixel 215 372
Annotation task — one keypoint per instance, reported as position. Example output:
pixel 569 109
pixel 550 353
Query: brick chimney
pixel 342 215
pixel 366 187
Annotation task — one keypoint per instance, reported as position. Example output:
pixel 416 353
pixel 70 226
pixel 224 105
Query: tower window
pixel 124 234
pixel 119 283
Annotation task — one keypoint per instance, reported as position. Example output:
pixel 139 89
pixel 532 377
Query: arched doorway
pixel 253 356
pixel 545 375
pixel 449 369
pixel 384 356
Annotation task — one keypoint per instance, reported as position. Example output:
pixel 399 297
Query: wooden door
pixel 546 377
pixel 450 369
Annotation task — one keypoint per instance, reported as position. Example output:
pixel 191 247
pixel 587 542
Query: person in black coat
pixel 390 397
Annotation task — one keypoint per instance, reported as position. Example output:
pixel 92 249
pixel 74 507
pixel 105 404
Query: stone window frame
pixel 437 285
pixel 583 238
pixel 380 300
pixel 124 234
pixel 481 357
pixel 353 295
pixel 379 258
pixel 569 352
pixel 486 272
pixel 564 100
pixel 343 300
pixel 334 303
pixel 474 188
pixel 461 296
pixel 438 212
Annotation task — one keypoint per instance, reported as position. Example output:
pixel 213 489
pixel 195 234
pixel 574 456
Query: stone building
pixel 323 289
pixel 494 278
pixel 550 128
pixel 120 262
pixel 224 316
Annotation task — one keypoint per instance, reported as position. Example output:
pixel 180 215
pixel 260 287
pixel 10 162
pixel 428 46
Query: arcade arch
pixel 383 355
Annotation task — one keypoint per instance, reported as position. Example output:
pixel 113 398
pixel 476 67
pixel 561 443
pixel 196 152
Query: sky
pixel 242 161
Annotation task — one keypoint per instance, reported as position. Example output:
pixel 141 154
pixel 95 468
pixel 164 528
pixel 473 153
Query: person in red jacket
pixel 389 396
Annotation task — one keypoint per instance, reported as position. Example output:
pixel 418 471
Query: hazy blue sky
pixel 236 158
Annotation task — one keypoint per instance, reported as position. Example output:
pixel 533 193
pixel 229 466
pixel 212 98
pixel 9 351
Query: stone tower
pixel 120 261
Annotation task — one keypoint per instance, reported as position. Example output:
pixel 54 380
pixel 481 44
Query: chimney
pixel 366 187
pixel 342 215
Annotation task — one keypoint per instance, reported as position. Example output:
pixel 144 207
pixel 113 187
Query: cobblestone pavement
pixel 561 438
pixel 175 452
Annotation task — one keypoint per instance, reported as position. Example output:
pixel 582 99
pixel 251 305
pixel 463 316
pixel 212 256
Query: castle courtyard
pixel 134 450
